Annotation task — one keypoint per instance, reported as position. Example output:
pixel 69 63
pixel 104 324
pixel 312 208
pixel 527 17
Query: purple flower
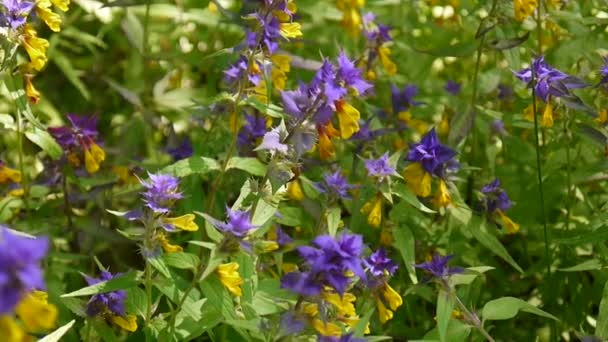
pixel 161 192
pixel 335 184
pixel 291 323
pixel 379 264
pixel 182 151
pixel 498 127
pixel 438 266
pixel 505 92
pixel 113 301
pixel 238 224
pixel 431 154
pixel 272 141
pixel 20 270
pixel 328 264
pixel 375 33
pixel 283 238
pixel 254 128
pixel 343 338
pixel 82 132
pixel 404 99
pixel 452 87
pixel 240 69
pixel 549 81
pixel 349 75
pixel 604 72
pixel 16 13
pixel 495 197
pixel 379 167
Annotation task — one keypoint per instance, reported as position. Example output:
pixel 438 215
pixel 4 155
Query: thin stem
pixel 20 133
pixel 471 318
pixel 148 285
pixel 568 172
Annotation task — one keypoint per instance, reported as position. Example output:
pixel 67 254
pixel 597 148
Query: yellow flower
pixel 10 330
pixel 294 190
pixel 529 113
pixel 291 30
pixel 348 116
pixel 124 174
pixel 61 4
pixel 456 314
pixel 6 174
pixel 388 65
pixel 352 322
pixel 510 226
pixel 230 277
pixel 384 314
pixel 234 121
pixel 391 298
pixel 386 237
pixel 266 247
pixel 35 47
pixel 602 119
pixel 417 179
pixel 326 147
pixel 52 19
pixel 287 267
pixel 90 162
pixel 351 19
pixel 36 313
pixel 73 159
pixel 282 62
pixel 548 116
pixel 344 305
pixel 442 196
pixel 128 323
pixel 311 309
pixel 374 210
pixel 17 192
pixel 524 8
pixel 167 246
pixel 32 93
pixel 184 222
pixel 444 125
pixel 326 328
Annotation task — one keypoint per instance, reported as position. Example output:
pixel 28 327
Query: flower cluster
pixel 495 202
pixel 378 46
pixel 110 305
pixel 381 267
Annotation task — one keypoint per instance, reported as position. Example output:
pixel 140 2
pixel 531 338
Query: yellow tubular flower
pixel 386 237
pixel 52 19
pixel 128 323
pixel 291 30
pixel 61 4
pixel 287 267
pixel 36 313
pixel 444 126
pixel 32 93
pixel 417 179
pixel 388 65
pixel 352 322
pixel 10 330
pixel 74 160
pixel 8 174
pixel 442 196
pixel 374 210
pixel 384 314
pixel 344 305
pixel 602 119
pixel 90 162
pixel 326 147
pixel 184 222
pixel 294 190
pixel 97 152
pixel 266 246
pixel 327 328
pixel 548 116
pixel 393 299
pixel 35 47
pixel 524 8
pixel 167 246
pixel 348 116
pixel 510 226
pixel 230 277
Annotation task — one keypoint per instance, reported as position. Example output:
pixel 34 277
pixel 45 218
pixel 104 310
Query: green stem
pixel 568 171
pixel 470 317
pixel 20 134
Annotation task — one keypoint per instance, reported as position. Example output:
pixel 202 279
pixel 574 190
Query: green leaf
pixel 478 229
pixel 122 282
pixel 137 301
pixel 404 242
pixel 333 220
pixel 70 72
pixel 403 192
pixel 181 260
pixel 250 165
pixel 588 265
pixel 601 328
pixel 359 329
pixel 264 212
pixel 192 165
pixel 56 335
pixel 160 266
pixel 45 141
pixel 508 307
pixel 445 304
pixel 470 274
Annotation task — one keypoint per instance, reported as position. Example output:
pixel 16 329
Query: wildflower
pixel 80 138
pixel 505 92
pixel 326 329
pixel 291 324
pixel 184 222
pixel 277 234
pixel 16 13
pixel 379 264
pixel 343 338
pixel 348 117
pixel 326 147
pixel 272 141
pixel 32 93
pixel 328 264
pixel 378 37
pixel 8 174
pixel 335 184
pixel 52 19
pixel 374 210
pixel 351 19
pixel 10 330
pixel 496 201
pixel 20 271
pixel 110 305
pixel 498 127
pixel 36 313
pixel 524 8
pixel 438 267
pixel 182 151
pixel 161 192
pixel 35 47
pixel 238 224
pixel 281 66
pixel 343 304
pixel 167 246
pixel 229 277
pixel 379 167
pixel 511 227
pixel 403 100
pixel 254 128
pixel 431 154
pixel 242 69
pixel 452 87
pixel 602 118
pixel 388 301
pixel 294 190
pixel 604 72
pixel 442 197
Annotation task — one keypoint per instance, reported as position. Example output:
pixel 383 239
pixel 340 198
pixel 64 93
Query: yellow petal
pixel 384 314
pixel 10 330
pixel 326 147
pixel 90 163
pixel 32 93
pixel 282 62
pixel 61 4
pixel 291 30
pixel 375 212
pixel 6 174
pixel 548 116
pixel 287 267
pixel 524 8
pixel 602 119
pixel 294 190
pixel 97 152
pixel 52 19
pixel 167 246
pixel 444 126
pixel 510 226
pixel 36 313
pixel 266 246
pixel 230 277
pixel 73 159
pixel 35 47
pixel 392 297
pixel 344 305
pixel 442 196
pixel 326 328
pixel 404 116
pixel 184 222
pixel 348 116
pixel 279 78
pixel 388 65
pixel 417 179
pixel 128 323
